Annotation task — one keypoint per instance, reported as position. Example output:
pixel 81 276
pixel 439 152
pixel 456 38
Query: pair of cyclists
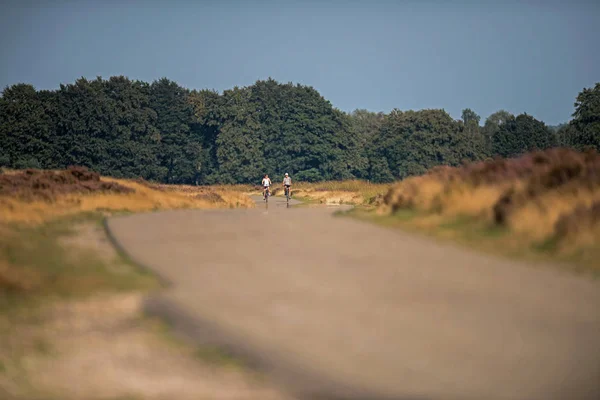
pixel 266 183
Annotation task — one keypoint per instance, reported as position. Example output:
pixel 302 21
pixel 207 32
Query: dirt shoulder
pixel 106 344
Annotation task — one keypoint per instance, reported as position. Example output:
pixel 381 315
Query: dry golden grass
pixel 584 234
pixel 415 193
pixel 143 198
pixel 537 219
pixel 355 192
pixel 38 208
pixel 31 202
pixel 527 197
pixel 219 195
pixel 239 188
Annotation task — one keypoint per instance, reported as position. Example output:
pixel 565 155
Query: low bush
pixel 34 184
pixel 549 195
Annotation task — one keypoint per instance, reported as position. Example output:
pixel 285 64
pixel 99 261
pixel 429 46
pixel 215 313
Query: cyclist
pixel 287 184
pixel 266 182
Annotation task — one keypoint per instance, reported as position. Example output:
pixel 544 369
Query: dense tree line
pixel 164 132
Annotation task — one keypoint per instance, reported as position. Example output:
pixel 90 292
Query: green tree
pixel 240 152
pixel 473 145
pixel 84 124
pixel 162 131
pixel 469 116
pixel 584 129
pixel 470 119
pixel 411 142
pixel 568 136
pixel 206 127
pixel 180 152
pixel 26 130
pixel 302 133
pixel 522 134
pixel 108 126
pixel 275 128
pixel 364 125
pixel 493 122
pixel 134 137
pixel 379 170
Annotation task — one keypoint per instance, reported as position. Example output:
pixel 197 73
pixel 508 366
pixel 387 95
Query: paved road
pixel 334 308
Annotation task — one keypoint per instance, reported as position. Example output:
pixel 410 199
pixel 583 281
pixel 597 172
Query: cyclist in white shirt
pixel 287 184
pixel 266 183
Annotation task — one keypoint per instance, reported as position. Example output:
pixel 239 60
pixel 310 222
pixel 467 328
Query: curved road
pixel 334 308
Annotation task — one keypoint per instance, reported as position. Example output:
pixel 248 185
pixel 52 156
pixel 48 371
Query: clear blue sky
pixel 523 56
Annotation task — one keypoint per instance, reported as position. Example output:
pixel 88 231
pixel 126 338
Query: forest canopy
pixel 164 132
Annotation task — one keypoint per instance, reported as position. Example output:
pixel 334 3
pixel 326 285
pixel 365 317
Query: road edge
pixel 120 249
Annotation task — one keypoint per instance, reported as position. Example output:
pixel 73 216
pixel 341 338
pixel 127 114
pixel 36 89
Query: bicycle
pixel 287 193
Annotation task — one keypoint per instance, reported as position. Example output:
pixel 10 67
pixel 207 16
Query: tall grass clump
pixel 34 196
pixel 550 196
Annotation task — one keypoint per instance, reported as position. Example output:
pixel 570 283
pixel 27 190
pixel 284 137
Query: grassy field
pixel 33 197
pixel 37 208
pixel 38 264
pixel 71 304
pixel 543 206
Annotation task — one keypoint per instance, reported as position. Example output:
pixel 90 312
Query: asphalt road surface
pixel 333 308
